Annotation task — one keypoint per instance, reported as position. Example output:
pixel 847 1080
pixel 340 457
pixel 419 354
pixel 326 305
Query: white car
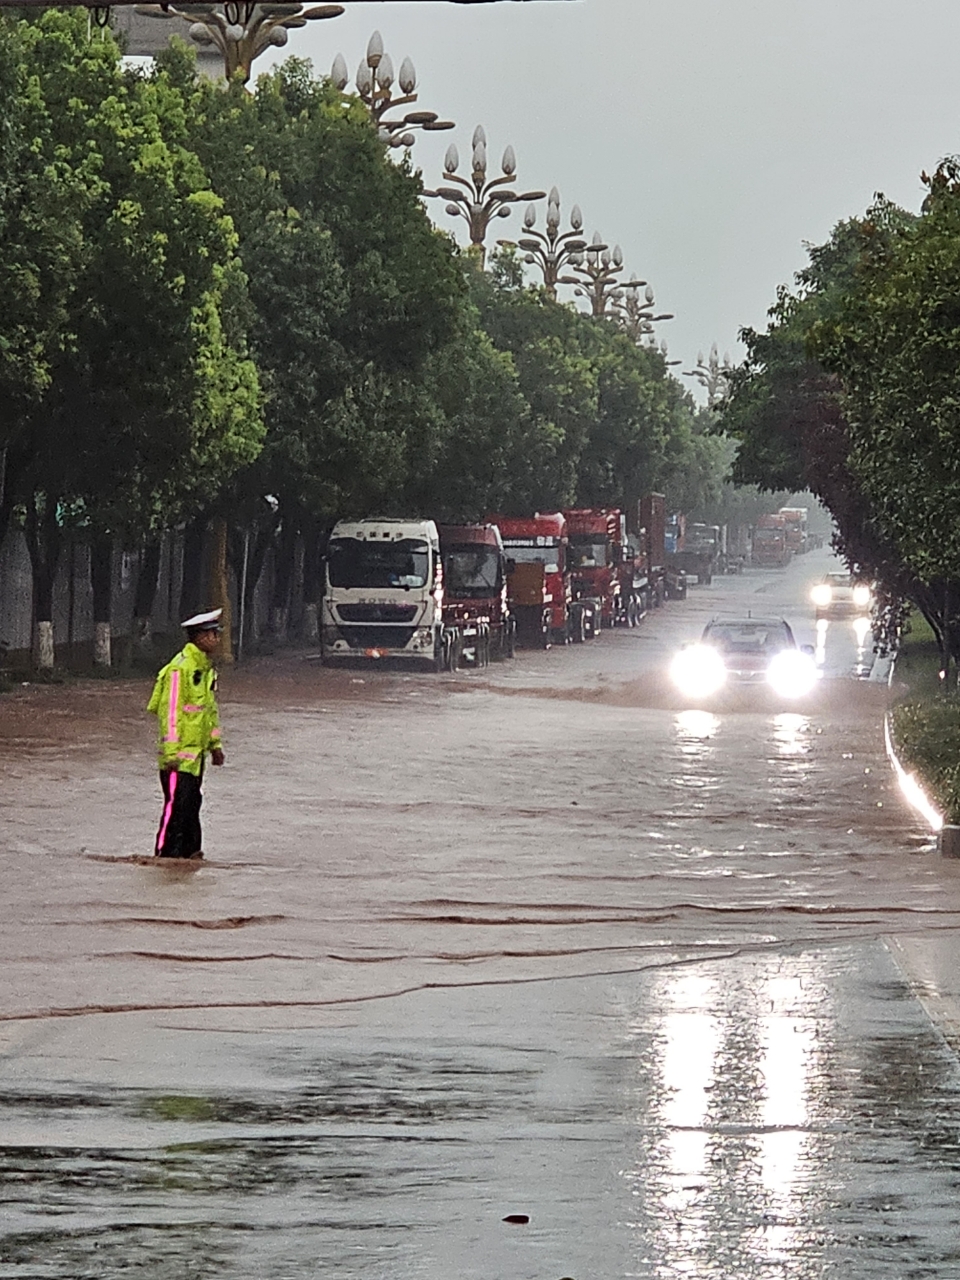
pixel 842 595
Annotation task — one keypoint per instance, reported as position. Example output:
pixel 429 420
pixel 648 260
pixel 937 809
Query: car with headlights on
pixel 841 595
pixel 745 653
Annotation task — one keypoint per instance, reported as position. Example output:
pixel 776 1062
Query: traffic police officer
pixel 185 703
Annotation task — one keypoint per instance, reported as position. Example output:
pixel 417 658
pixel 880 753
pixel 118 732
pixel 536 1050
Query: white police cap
pixel 203 621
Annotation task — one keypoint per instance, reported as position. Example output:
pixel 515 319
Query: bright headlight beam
pixel 821 594
pixel 792 674
pixel 861 595
pixel 698 671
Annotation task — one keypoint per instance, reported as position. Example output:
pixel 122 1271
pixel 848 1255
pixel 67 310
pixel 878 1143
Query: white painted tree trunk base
pixel 102 655
pixel 45 649
pixel 311 623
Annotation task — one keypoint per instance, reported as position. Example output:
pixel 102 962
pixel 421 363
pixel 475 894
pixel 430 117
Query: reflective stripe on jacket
pixel 184 700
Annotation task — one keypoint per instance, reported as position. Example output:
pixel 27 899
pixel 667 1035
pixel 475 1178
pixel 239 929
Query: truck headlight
pixel 862 595
pixel 821 594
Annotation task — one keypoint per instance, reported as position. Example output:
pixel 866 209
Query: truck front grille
pixel 377 612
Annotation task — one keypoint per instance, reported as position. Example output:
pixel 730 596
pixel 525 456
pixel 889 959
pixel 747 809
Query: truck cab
pixel 539 581
pixel 596 538
pixel 383 592
pixel 476 610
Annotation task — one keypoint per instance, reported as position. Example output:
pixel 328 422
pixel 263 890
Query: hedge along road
pixel 533 942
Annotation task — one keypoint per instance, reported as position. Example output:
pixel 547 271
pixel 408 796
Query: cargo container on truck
pixel 478 622
pixel 383 592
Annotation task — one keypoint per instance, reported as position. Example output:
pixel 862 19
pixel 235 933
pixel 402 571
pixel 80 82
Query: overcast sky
pixel 709 138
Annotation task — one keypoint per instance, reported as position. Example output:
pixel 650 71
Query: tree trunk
pixel 312 581
pixel 220 587
pixel 191 586
pixel 44 539
pixel 148 581
pixel 254 547
pixel 284 564
pixel 101 582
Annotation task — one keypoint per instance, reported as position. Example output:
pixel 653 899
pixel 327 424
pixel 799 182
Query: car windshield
pixel 587 552
pixel 355 563
pixel 471 571
pixel 549 557
pixel 839 580
pixel 747 637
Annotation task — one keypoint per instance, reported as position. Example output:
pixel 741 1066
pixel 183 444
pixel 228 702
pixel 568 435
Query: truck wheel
pixel 578 626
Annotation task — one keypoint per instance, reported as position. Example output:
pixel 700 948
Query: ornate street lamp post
pixel 375 81
pixel 712 374
pixel 598 271
pixel 241 32
pixel 635 314
pixel 476 199
pixel 550 251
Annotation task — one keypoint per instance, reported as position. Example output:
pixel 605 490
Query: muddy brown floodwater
pixel 535 943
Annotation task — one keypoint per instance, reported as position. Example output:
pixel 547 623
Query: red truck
pixel 667 580
pixel 597 539
pixel 770 548
pixel 539 584
pixel 611 566
pixel 477 619
pixel 795 525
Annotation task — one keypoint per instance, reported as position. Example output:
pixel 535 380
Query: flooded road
pixel 536 942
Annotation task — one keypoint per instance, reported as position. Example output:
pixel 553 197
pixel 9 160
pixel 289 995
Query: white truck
pixel 383 593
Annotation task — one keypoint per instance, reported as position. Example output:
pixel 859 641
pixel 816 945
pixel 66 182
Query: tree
pixel 894 343
pixel 150 401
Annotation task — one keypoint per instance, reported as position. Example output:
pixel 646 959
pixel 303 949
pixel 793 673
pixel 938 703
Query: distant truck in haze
pixel 795 529
pixel 383 592
pixel 699 552
pixel 770 549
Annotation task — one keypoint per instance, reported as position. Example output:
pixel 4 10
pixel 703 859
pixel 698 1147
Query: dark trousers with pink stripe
pixel 179 834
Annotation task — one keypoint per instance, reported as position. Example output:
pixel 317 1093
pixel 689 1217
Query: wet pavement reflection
pixel 530 942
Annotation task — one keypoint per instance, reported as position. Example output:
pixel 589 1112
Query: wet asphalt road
pixel 534 941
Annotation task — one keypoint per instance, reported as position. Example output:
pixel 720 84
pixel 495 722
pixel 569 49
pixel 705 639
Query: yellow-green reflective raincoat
pixel 184 700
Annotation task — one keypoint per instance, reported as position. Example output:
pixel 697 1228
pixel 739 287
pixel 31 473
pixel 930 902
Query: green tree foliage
pixel 851 392
pixel 143 400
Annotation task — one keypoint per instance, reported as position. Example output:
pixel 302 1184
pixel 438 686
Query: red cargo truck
pixel 476 611
pixel 597 539
pixel 770 549
pixel 539 586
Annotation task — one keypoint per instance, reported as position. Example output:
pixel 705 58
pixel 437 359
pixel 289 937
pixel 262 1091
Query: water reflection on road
pixel 528 942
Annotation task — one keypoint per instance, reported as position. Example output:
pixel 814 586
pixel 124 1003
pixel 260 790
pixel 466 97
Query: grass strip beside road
pixel 925 722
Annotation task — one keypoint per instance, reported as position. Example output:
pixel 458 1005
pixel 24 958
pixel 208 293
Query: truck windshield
pixel 549 557
pixel 353 563
pixel 588 552
pixel 471 571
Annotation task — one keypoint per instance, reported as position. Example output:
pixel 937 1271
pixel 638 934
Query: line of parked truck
pixel 453 595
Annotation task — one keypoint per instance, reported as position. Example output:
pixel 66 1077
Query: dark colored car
pixel 748 651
